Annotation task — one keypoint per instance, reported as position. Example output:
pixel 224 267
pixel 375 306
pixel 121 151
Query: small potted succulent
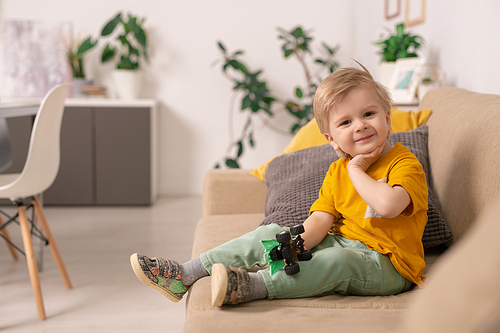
pixel 127 48
pixel 76 63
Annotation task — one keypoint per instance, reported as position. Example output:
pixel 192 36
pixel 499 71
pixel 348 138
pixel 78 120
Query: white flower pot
pixel 385 72
pixel 127 83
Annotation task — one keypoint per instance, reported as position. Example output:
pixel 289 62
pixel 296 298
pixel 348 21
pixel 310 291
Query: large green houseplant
pixel 399 45
pixel 127 46
pixel 257 100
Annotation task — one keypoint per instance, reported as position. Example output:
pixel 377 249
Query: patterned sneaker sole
pixel 136 266
pixel 219 284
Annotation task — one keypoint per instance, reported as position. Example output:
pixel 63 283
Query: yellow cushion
pixel 402 121
pixel 310 136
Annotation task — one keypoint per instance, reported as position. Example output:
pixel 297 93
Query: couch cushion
pixel 294 180
pixel 262 319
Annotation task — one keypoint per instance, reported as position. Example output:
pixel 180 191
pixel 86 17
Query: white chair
pixel 38 174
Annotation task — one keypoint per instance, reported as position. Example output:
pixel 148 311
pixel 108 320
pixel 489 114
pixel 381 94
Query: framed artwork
pixel 35 57
pixel 391 3
pixel 404 80
pixel 414 12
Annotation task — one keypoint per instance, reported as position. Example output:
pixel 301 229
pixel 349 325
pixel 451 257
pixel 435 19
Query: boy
pixel 364 230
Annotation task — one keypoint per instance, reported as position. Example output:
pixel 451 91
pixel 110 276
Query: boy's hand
pixel 363 161
pixel 386 200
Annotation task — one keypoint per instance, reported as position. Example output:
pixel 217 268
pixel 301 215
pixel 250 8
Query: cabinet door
pixel 74 183
pixel 123 156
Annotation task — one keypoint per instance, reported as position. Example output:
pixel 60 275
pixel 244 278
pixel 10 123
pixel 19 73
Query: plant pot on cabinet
pixel 127 83
pixel 385 72
pixel 78 83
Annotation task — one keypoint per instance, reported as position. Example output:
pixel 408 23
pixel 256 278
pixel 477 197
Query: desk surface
pixel 18 108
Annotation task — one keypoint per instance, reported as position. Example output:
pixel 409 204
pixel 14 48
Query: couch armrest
pixel 232 191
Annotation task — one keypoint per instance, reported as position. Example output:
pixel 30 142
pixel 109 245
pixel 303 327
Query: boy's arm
pixel 386 200
pixel 316 227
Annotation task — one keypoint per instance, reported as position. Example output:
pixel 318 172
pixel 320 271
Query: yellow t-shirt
pixel 400 238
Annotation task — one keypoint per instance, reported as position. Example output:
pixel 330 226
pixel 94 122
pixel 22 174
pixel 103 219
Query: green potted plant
pixel 76 62
pixel 127 47
pixel 257 99
pixel 398 45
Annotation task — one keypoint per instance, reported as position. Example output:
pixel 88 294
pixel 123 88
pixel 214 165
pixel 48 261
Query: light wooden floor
pixel 96 243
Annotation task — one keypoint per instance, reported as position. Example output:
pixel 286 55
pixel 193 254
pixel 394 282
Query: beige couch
pixel 464 155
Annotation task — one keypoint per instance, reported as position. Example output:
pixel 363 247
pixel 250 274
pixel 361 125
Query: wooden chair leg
pixel 52 243
pixel 30 258
pixel 6 234
pixel 12 249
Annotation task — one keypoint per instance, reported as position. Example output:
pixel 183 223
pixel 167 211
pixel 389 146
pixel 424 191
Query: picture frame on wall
pixel 404 81
pixel 388 5
pixel 414 12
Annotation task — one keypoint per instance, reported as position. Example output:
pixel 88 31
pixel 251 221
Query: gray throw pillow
pixel 293 181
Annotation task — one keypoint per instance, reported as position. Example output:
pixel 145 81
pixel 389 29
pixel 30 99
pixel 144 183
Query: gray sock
pixel 192 271
pixel 258 289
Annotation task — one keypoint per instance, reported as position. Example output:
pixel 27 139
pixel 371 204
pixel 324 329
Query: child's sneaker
pixel 229 285
pixel 161 274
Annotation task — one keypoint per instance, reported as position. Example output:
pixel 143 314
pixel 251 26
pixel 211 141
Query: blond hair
pixel 331 91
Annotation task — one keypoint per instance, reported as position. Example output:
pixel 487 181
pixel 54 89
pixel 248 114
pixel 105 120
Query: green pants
pixel 338 265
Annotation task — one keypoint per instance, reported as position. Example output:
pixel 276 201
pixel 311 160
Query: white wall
pixel 194 96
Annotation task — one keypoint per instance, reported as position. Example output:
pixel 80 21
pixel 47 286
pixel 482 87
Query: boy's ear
pixel 389 121
pixel 331 141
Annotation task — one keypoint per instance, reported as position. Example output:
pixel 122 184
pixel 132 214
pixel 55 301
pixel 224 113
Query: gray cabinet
pixel 74 184
pixel 106 157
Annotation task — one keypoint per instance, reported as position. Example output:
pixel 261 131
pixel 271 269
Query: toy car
pixel 285 251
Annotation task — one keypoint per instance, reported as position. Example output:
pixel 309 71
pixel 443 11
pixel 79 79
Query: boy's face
pixel 358 124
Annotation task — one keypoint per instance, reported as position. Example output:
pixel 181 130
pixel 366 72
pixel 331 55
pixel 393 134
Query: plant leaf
pixel 298 93
pixel 246 102
pixel 254 106
pixel 250 140
pixel 85 46
pixel 288 53
pixel 295 128
pixel 232 163
pixel 297 32
pixel 108 53
pixel 221 46
pixel 140 36
pixel 240 148
pixel 111 25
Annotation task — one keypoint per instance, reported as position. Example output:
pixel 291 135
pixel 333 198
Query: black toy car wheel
pixel 304 256
pixel 292 269
pixel 288 254
pixel 283 237
pixel 297 230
